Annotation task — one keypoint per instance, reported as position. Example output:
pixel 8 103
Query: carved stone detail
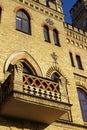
pixel 49 21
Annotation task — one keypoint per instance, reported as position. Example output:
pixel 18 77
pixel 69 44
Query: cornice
pixel 42 9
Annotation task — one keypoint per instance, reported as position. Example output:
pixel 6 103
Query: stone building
pixel 43 66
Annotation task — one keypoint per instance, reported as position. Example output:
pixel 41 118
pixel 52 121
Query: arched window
pixel 0 13
pixel 83 102
pixel 55 36
pixel 55 77
pixel 46 33
pixel 23 21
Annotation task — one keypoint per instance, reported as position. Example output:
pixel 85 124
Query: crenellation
pixel 76 33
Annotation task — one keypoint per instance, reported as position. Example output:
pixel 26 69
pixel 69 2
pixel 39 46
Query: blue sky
pixel 67 5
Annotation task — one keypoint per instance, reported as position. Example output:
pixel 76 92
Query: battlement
pixel 76 36
pixel 74 29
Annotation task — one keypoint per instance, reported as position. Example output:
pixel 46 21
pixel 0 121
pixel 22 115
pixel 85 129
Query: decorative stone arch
pixel 24 56
pixel 26 10
pixel 53 69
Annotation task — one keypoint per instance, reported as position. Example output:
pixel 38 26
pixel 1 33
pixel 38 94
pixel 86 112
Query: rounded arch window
pixel 83 102
pixel 55 36
pixel 23 21
pixel 46 33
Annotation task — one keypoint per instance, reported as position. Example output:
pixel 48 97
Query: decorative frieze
pixel 72 42
pixel 43 9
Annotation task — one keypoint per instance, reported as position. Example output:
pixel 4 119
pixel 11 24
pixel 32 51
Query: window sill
pixel 47 41
pixel 23 32
pixel 57 44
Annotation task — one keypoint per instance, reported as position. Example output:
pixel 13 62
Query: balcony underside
pixel 19 105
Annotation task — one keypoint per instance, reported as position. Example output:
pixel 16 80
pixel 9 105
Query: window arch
pixel 55 37
pixel 83 102
pixel 46 33
pixel 23 21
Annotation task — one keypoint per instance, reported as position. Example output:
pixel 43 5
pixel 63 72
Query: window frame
pixel 46 33
pixel 55 37
pixel 72 59
pixel 79 62
pixel 21 19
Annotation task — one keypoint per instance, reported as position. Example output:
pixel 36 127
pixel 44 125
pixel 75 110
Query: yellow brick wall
pixel 12 41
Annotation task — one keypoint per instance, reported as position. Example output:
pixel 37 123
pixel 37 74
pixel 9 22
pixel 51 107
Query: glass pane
pixel 46 34
pixel 83 102
pixel 19 14
pixel 26 69
pixel 25 26
pixel 18 23
pixel 55 77
pixel 55 37
pixel 25 16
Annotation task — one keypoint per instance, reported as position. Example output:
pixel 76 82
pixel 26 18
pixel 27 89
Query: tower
pixel 78 14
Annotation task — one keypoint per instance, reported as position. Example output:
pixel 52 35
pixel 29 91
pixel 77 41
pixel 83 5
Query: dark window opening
pixel 0 13
pixel 79 63
pixel 83 102
pixel 46 34
pixel 23 22
pixel 55 77
pixel 27 69
pixel 55 36
pixel 71 58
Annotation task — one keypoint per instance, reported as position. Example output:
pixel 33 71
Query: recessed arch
pixel 23 56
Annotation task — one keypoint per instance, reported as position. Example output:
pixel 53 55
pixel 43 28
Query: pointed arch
pixel 24 57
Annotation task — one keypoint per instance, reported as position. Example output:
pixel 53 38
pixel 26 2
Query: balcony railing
pixel 41 87
pixel 36 95
pixel 35 86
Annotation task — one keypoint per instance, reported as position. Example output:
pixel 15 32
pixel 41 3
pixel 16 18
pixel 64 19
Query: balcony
pixel 33 98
